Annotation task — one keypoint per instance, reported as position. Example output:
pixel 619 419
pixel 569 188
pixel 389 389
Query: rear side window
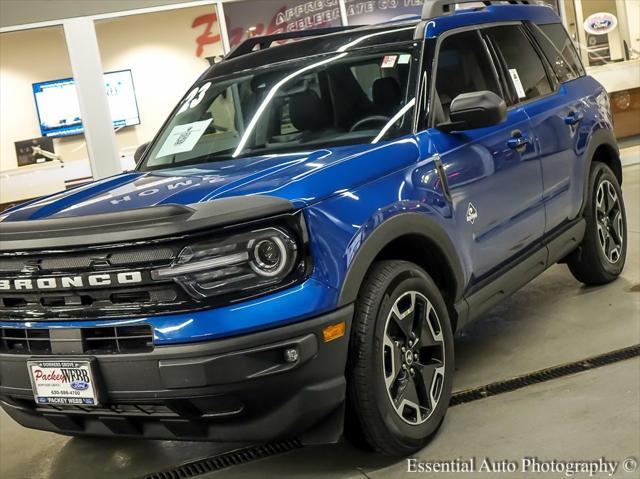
pixel 559 50
pixel 527 73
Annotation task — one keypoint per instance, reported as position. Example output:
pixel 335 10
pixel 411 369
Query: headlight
pixel 243 263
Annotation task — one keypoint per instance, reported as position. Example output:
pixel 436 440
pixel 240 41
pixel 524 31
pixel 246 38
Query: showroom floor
pixel 554 320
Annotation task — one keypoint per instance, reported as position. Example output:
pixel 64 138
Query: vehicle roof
pixel 380 34
pixel 365 36
pixel 539 14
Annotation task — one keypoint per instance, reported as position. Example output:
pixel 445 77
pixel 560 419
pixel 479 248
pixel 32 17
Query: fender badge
pixel 472 213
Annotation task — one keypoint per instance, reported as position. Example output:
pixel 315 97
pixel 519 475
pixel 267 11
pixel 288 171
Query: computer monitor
pixel 24 150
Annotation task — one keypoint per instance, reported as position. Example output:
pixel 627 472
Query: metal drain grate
pixel 228 459
pixel 252 453
pixel 543 375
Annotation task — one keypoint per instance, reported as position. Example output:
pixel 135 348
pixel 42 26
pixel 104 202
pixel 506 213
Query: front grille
pixel 58 285
pixel 28 341
pixel 67 304
pixel 75 261
pixel 100 340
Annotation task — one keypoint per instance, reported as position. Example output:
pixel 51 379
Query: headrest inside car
pixel 308 112
pixel 387 95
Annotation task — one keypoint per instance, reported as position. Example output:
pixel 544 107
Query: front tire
pixel 602 254
pixel 401 359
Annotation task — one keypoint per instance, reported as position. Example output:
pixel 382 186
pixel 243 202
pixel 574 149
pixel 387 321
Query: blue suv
pixel 307 231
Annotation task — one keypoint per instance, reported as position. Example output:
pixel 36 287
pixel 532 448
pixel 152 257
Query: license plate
pixel 63 382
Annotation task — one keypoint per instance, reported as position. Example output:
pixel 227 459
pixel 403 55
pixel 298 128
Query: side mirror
pixel 476 109
pixel 140 151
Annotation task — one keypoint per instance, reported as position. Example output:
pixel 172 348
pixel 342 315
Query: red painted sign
pixel 207 37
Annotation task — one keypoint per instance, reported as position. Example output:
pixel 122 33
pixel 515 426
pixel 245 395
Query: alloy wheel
pixel 609 221
pixel 413 357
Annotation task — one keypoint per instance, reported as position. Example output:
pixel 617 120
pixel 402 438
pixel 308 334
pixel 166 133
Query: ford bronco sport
pixel 307 231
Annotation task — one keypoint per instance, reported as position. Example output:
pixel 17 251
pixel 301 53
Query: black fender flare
pixel 403 224
pixel 600 137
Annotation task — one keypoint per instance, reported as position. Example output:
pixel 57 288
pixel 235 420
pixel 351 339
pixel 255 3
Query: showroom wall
pixel 19 12
pixel 47 59
pixel 159 48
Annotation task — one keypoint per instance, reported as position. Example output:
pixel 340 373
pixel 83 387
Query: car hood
pixel 302 178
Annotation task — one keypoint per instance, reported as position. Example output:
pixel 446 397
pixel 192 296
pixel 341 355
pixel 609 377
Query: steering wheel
pixel 368 119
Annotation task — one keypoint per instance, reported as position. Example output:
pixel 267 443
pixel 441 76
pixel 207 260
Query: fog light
pixel 291 355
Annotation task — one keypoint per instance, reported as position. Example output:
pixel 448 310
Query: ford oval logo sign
pixel 600 23
pixel 79 385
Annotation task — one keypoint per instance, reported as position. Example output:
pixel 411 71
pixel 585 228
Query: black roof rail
pixel 265 41
pixel 437 8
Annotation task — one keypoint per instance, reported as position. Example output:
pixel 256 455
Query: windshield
pixel 337 99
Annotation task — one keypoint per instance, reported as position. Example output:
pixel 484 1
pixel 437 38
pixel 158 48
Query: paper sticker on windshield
pixel 404 59
pixel 389 61
pixel 517 83
pixel 183 138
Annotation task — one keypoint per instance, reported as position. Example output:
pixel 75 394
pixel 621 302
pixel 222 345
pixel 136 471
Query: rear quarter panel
pixel 563 149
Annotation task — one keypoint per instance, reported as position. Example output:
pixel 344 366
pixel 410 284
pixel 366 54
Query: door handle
pixel 573 118
pixel 518 142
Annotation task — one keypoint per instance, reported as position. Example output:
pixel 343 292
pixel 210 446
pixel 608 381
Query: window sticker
pixel 389 61
pixel 404 59
pixel 517 83
pixel 183 138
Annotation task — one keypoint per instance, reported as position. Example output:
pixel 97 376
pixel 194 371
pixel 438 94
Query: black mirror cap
pixel 476 109
pixel 140 151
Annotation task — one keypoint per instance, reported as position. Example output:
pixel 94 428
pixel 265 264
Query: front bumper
pixel 234 389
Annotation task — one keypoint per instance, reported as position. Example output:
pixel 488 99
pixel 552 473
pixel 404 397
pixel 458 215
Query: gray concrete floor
pixel 631 154
pixel 551 321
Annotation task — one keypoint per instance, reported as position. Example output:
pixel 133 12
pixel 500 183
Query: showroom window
pixel 247 18
pixel 603 30
pixel 366 12
pixel 607 36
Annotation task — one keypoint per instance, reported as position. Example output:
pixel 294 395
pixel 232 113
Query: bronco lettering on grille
pixel 68 282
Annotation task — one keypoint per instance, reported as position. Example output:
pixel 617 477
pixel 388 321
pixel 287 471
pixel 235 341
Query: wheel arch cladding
pixel 412 237
pixel 608 154
pixel 602 148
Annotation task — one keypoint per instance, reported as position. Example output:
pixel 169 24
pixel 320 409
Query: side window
pixel 463 66
pixel 559 50
pixel 524 66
